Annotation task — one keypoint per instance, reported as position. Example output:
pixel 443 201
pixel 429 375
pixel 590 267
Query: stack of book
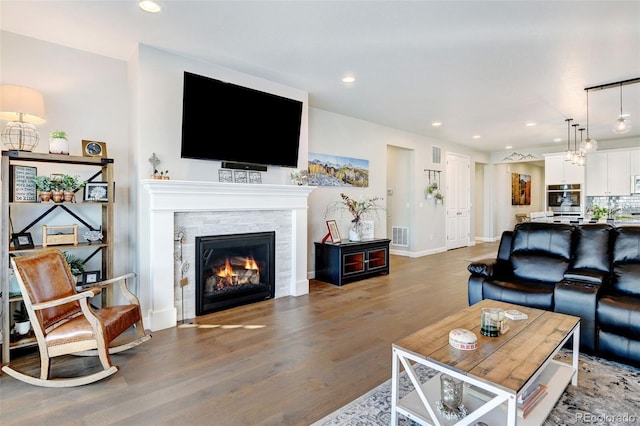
pixel 530 398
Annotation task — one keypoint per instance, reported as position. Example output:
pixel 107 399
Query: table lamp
pixel 23 107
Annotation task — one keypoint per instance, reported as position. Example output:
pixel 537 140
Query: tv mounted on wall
pixel 231 123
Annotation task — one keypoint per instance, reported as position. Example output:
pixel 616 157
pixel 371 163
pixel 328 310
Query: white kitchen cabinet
pixel 558 171
pixel 608 173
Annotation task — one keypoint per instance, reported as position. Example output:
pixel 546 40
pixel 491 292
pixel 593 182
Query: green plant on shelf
pixel 76 264
pixel 21 314
pixel 43 183
pixel 71 183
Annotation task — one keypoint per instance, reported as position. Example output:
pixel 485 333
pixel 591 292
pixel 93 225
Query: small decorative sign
pixel 22 187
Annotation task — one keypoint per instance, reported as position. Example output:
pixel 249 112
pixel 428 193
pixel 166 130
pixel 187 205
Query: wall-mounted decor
pixel 520 189
pixel 333 170
pixel 22 186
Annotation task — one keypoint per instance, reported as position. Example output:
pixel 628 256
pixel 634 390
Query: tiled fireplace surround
pixel 211 208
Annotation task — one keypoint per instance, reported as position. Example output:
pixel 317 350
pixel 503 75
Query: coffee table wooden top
pixel 508 360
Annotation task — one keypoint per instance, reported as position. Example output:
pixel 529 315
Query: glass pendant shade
pixel 622 126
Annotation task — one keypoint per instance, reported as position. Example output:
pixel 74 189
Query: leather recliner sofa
pixel 591 271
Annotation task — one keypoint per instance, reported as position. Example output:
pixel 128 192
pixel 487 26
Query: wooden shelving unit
pixel 103 168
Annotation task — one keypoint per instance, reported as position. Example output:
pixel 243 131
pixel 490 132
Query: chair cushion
pixel 116 319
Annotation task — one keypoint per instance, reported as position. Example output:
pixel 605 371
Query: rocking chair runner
pixel 63 321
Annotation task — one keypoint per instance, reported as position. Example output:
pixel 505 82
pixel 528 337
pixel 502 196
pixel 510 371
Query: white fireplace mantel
pixel 161 199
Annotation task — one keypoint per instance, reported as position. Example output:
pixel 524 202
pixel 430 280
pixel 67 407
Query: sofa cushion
pixel 592 276
pixel 626 261
pixel 541 251
pixel 620 314
pixel 593 247
pixel 533 294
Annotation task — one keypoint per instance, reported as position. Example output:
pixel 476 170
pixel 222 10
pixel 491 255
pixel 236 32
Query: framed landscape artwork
pixel 333 170
pixel 520 189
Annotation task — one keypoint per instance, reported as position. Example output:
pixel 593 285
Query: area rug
pixel 608 393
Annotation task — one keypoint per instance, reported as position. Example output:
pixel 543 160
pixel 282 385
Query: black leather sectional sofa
pixel 591 271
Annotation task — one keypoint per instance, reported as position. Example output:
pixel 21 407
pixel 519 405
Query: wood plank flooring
pixel 314 354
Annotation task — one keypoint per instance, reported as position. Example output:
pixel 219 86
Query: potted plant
pixel 43 185
pixel 599 212
pixel 75 263
pixel 21 318
pixel 71 184
pixel 58 143
pixel 439 197
pixel 57 192
pixel 431 189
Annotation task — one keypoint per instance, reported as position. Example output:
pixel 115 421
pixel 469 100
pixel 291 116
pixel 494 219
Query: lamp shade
pixel 20 103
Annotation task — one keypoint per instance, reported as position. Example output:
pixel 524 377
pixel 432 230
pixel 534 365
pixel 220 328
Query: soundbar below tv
pixel 231 123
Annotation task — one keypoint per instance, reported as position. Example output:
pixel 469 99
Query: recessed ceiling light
pixel 436 123
pixel 348 79
pixel 557 140
pixel 475 137
pixel 508 147
pixel 531 124
pixel 149 6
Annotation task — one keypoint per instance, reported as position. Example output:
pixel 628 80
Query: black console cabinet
pixel 351 261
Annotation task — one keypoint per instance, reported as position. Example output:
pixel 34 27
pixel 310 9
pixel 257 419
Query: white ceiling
pixel 481 67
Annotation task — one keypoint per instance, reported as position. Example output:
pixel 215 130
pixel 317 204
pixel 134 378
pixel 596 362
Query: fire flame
pixel 227 270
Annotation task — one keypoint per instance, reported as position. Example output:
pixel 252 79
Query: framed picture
pixel 225 175
pixel 22 188
pixel 90 277
pixel 332 226
pixel 22 240
pixel 94 149
pixel 255 177
pixel 96 191
pixel 240 176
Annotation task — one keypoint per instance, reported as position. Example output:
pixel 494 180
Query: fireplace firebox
pixel 233 270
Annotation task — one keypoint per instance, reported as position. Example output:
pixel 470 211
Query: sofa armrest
pixel 591 276
pixel 579 298
pixel 490 269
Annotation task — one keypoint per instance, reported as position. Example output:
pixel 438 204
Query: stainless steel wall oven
pixel 564 199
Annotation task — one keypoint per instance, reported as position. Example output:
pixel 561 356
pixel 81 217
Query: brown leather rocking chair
pixel 63 321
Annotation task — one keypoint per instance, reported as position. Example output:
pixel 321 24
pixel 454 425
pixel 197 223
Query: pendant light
pixel 623 124
pixel 569 153
pixel 575 155
pixel 589 145
pixel 582 160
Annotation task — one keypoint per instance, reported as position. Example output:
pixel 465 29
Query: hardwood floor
pixel 314 354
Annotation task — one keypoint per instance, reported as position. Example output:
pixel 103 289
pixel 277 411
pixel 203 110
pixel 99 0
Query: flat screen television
pixel 227 122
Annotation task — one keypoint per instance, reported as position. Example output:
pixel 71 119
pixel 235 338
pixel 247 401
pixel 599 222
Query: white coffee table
pixel 494 374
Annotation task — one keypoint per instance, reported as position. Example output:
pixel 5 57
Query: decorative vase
pixel 57 196
pixel 23 328
pixel 45 196
pixel 68 196
pixel 58 146
pixel 355 232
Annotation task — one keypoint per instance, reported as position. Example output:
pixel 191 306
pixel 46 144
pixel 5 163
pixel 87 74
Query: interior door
pixel 457 201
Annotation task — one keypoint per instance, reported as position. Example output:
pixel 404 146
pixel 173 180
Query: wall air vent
pixel 400 236
pixel 436 155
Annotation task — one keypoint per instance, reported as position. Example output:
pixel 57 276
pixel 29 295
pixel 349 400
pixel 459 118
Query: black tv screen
pixel 227 122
